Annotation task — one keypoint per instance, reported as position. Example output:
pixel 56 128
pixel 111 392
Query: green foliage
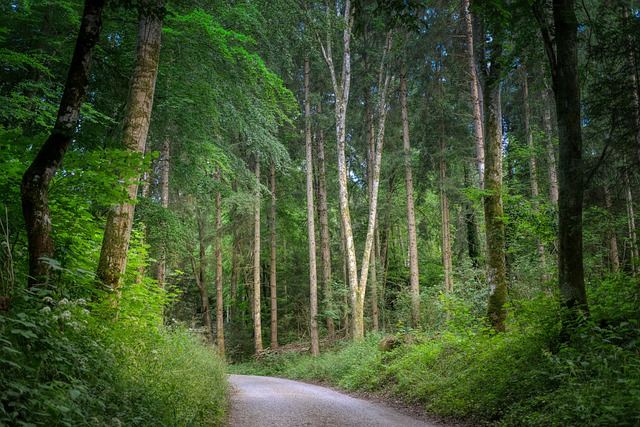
pixel 524 377
pixel 67 362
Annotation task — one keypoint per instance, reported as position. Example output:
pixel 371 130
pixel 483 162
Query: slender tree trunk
pixel 325 244
pixel 470 223
pixel 493 211
pixel 34 188
pixel 272 272
pixel 311 228
pixel 475 92
pixel 257 322
pixel 633 80
pixel 233 285
pixel 447 259
pixel 633 239
pixel 164 202
pixel 533 165
pixel 550 147
pixel 411 212
pixel 200 274
pixel 113 256
pixel 613 240
pixel 218 252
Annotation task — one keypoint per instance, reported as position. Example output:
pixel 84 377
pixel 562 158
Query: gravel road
pixel 275 402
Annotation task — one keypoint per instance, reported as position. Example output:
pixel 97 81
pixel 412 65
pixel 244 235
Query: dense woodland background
pixel 456 180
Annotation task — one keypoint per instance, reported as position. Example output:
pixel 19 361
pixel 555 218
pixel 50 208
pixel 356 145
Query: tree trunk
pixel 613 240
pixel 311 228
pixel 633 239
pixel 552 169
pixel 564 71
pixel 257 322
pixel 272 271
pixel 447 261
pixel 475 92
pixel 218 252
pixel 233 285
pixel 493 211
pixel 325 244
pixel 200 275
pixel 164 202
pixel 411 212
pixel 533 165
pixel 113 256
pixel 34 188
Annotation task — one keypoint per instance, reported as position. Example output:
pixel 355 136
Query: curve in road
pixel 276 402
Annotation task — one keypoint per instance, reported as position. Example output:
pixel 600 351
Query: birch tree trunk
pixel 311 228
pixel 411 212
pixel 113 256
pixel 493 210
pixel 218 253
pixel 257 322
pixel 34 188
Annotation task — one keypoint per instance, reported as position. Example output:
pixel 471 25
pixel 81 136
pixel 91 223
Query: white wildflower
pixel 46 310
pixel 63 301
pixel 66 315
pixel 47 300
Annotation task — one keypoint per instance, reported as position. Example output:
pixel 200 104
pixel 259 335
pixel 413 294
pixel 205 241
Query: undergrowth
pixel 69 362
pixel 524 377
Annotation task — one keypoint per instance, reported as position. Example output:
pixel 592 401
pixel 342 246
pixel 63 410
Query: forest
pixel 429 199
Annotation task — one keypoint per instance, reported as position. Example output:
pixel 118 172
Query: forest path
pixel 275 402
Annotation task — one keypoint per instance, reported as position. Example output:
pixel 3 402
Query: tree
pixel 411 214
pixel 311 228
pixel 35 181
pixel 559 29
pixel 257 321
pixel 113 256
pixel 493 208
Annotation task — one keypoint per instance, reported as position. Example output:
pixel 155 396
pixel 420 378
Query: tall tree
pixel 559 28
pixel 35 181
pixel 411 213
pixel 493 208
pixel 273 285
pixel 311 228
pixel 218 254
pixel 113 256
pixel 257 321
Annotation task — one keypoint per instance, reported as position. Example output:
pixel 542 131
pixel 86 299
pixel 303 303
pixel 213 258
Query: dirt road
pixel 275 402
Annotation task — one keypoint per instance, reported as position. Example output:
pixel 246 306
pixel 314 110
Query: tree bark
pixel 613 239
pixel 552 168
pixel 493 210
pixel 34 188
pixel 257 322
pixel 325 244
pixel 447 261
pixel 475 92
pixel 272 268
pixel 113 256
pixel 311 228
pixel 533 166
pixel 200 274
pixel 164 202
pixel 411 212
pixel 566 85
pixel 218 253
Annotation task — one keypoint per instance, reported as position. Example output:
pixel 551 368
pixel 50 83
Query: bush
pixel 64 363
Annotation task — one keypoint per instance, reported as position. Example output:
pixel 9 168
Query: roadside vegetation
pixel 67 361
pixel 523 377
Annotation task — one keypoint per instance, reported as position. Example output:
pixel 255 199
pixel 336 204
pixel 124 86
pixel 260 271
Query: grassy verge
pixel 519 378
pixel 64 363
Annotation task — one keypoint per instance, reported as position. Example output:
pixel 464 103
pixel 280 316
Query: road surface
pixel 275 402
